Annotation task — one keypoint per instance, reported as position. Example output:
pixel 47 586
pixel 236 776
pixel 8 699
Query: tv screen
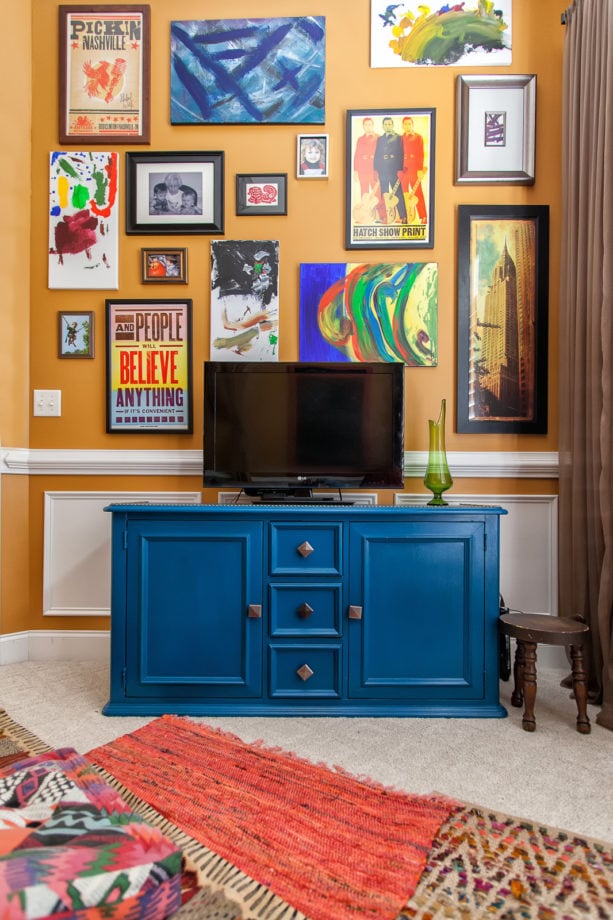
pixel 289 426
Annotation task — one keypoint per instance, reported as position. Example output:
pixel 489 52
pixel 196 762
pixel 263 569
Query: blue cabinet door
pixel 419 590
pixel 193 618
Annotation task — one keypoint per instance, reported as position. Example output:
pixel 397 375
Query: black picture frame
pixel 149 366
pixel 201 176
pixel 261 194
pixel 384 210
pixel 503 297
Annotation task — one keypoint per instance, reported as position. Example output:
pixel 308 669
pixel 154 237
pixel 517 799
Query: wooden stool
pixel 529 629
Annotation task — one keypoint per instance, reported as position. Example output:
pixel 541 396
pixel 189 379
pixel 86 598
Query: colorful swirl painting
pixel 375 312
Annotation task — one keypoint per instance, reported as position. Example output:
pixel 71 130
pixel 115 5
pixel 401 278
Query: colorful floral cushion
pixel 71 849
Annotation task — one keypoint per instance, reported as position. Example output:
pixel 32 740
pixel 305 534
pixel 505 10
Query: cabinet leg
pixel 517 697
pixel 580 689
pixel 528 721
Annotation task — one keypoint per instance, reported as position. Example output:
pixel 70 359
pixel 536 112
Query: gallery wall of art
pixel 312 229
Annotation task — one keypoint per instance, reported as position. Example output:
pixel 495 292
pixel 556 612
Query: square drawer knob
pixel 305 610
pixel 305 672
pixel 305 549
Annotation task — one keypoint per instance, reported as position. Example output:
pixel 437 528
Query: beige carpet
pixel 555 776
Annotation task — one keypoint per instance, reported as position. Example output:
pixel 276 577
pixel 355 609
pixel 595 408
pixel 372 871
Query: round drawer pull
pixel 305 610
pixel 305 672
pixel 305 549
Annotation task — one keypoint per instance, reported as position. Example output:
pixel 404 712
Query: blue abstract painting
pixel 248 71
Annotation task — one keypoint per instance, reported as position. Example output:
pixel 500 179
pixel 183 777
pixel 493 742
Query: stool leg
pixel 528 722
pixel 580 689
pixel 517 697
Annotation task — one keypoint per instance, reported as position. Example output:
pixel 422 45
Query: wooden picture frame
pixel 312 156
pixel 149 366
pixel 104 74
pixel 75 334
pixel 164 266
pixel 169 192
pixel 261 194
pixel 503 290
pixel 495 129
pixel 390 178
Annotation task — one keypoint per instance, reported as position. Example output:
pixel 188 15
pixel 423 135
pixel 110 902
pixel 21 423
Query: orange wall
pixel 313 231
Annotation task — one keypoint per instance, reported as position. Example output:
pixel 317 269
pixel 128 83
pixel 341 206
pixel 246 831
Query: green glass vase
pixel 438 478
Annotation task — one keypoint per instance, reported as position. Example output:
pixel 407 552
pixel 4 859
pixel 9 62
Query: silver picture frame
pixel 495 129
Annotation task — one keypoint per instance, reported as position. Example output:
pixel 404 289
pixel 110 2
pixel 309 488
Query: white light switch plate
pixel 47 402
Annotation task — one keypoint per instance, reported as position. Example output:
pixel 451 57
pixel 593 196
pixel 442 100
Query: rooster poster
pixel 104 74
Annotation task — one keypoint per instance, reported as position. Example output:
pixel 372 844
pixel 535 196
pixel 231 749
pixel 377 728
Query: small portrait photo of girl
pixel 312 156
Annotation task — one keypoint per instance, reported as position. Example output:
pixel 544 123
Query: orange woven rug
pixel 333 846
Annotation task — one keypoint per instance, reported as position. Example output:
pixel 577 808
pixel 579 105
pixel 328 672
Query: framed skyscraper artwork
pixel 390 179
pixel 503 293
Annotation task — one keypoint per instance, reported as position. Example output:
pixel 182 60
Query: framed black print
pixel 175 192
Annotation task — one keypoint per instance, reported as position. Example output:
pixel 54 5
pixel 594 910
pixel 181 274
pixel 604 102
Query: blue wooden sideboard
pixel 304 610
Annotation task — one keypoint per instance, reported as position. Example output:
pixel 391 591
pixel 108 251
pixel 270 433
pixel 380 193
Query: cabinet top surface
pixel 327 509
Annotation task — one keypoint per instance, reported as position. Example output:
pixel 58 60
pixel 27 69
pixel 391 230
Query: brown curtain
pixel 586 338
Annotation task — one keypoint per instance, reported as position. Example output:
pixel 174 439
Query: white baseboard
pixel 14 648
pixel 55 645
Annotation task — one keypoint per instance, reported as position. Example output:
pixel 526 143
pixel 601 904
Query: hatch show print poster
pixel 83 221
pixel 244 300
pixel 476 33
pixel 378 312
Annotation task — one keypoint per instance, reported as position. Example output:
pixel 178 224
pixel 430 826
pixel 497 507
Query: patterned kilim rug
pixel 483 865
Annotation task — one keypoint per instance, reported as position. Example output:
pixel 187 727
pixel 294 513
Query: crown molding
pixel 463 464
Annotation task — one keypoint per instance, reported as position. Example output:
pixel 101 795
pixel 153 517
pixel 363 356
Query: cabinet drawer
pixel 305 670
pixel 305 609
pixel 296 548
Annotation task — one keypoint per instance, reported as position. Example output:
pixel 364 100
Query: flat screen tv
pixel 280 429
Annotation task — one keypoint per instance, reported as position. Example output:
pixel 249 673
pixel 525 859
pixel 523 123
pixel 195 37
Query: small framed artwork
pixel 503 283
pixel 75 334
pixel 148 366
pixel 495 129
pixel 312 156
pixel 164 266
pixel 175 192
pixel 265 193
pixel 390 179
pixel 104 74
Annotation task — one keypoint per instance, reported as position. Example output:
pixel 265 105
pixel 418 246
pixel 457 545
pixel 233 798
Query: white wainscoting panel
pixel 77 548
pixel 528 554
pixel 528 546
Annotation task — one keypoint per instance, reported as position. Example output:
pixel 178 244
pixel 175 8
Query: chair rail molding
pixel 463 464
